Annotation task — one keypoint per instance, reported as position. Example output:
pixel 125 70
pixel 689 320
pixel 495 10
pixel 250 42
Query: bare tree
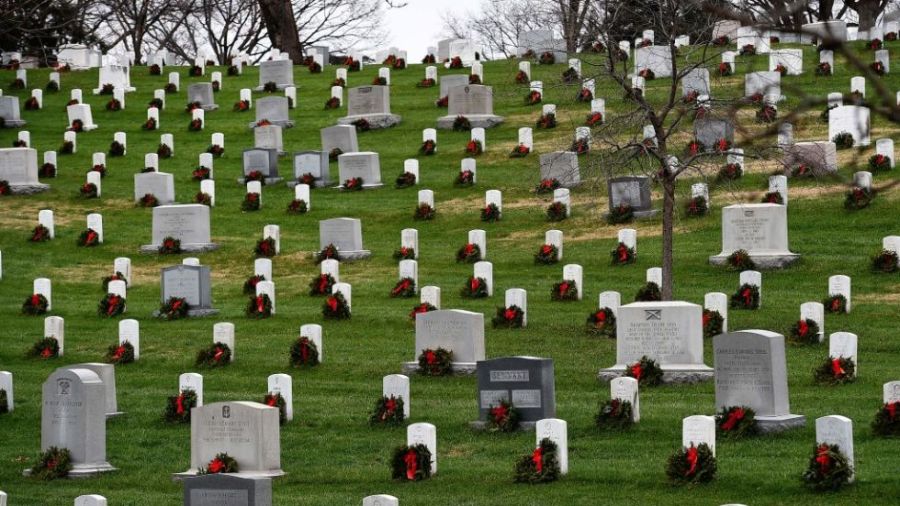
pixel 619 146
pixel 230 27
pixel 499 23
pixel 130 22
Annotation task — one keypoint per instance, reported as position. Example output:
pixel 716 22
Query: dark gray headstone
pixel 630 190
pixel 562 166
pixel 312 162
pixel 263 160
pixel 366 100
pixel 526 382
pixel 9 111
pixel 708 131
pixel 280 72
pixel 275 110
pixel 227 490
pixel 341 137
pixel 203 93
pixel 344 233
pixel 192 282
pixel 452 81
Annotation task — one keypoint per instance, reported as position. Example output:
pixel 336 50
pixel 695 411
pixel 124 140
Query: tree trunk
pixel 668 237
pixel 867 10
pixel 278 16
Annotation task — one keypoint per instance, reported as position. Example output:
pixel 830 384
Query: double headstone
pixel 526 383
pixel 758 229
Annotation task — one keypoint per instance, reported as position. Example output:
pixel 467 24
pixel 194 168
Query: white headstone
pixel 55 327
pixel 397 385
pixel 192 381
pixel 43 286
pixel 814 311
pixel 555 430
pixel 555 238
pixel 409 238
pixel 479 238
pixel 6 384
pixel 837 430
pixel 625 388
pixel 424 434
pixel 611 300
pixel 574 272
pixel 313 332
pixel 717 301
pixel 517 297
pixel 485 270
pixel 130 332
pixel 431 295
pixel 283 384
pixel 267 288
pixel 223 332
pixel 699 429
pixel 344 289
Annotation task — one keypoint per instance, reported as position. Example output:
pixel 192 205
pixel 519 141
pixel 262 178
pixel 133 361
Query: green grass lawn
pixel 330 454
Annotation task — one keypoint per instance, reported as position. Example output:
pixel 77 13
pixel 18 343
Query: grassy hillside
pixel 330 454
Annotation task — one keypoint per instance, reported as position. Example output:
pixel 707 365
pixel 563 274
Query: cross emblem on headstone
pixel 653 314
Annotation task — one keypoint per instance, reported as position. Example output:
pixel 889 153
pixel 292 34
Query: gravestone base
pixel 672 374
pixel 350 256
pixel 114 415
pixel 284 123
pixel 640 215
pixel 481 425
pixel 28 189
pixel 376 121
pixel 762 261
pixel 209 107
pixel 196 312
pixel 176 477
pixel 186 248
pixel 268 181
pixel 456 368
pixel 476 120
pixel 14 123
pixel 775 424
pixel 88 128
pixel 81 471
pixel 319 183
pixel 278 87
pixel 365 186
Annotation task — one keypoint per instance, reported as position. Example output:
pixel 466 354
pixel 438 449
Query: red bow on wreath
pixel 91 236
pixel 563 288
pixel 271 401
pixel 836 369
pixel 176 305
pixel 474 284
pixel 389 407
pixel 119 352
pixel 692 459
pixel 538 458
pixel 892 409
pixel 46 353
pixel 546 249
pixel 401 287
pixel 216 466
pixel 218 354
pixel 823 459
pixel 836 305
pixel 304 350
pixel 111 308
pixel 260 304
pixel 509 314
pixel 35 300
pixel 803 328
pixel 430 357
pixel 499 413
pixel 733 418
pixel 411 460
pixel 636 371
pixel 706 317
pixel 600 316
pixel 469 249
pixel 623 253
pixel 323 283
pixel 332 304
pixel 179 404
pixel 747 295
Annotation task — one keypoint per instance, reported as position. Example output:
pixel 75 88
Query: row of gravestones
pixel 83 395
